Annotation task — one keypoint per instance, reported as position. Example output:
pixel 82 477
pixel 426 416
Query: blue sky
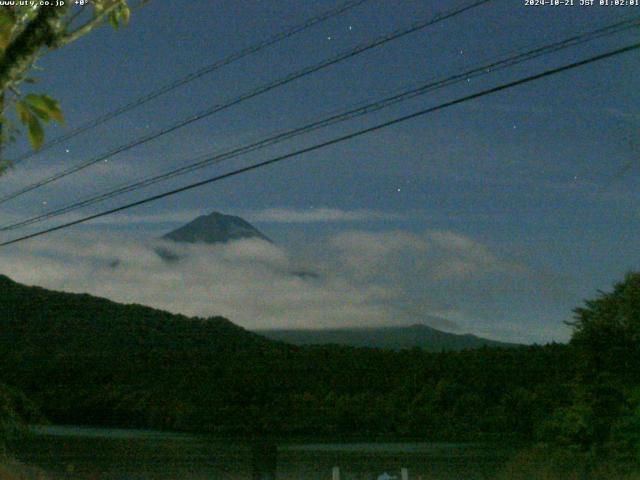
pixel 529 196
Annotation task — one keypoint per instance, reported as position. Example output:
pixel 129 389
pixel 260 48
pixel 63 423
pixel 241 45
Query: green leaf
pixel 36 133
pixel 45 107
pixel 98 7
pixel 36 101
pixel 57 116
pixel 23 111
pixel 6 26
pixel 41 114
pixel 37 107
pixel 125 14
pixel 113 20
pixel 6 19
pixel 5 37
pixel 54 108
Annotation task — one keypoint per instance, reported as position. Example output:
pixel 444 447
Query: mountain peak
pixel 215 227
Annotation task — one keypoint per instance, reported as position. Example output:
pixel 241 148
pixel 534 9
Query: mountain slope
pixel 393 338
pixel 60 321
pixel 87 360
pixel 215 228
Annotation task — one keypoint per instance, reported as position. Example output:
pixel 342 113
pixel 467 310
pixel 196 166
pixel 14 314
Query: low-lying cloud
pixel 354 278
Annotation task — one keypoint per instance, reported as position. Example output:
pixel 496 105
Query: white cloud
pixel 353 278
pixel 318 215
pixel 432 255
pixel 369 254
pixel 462 257
pixel 252 282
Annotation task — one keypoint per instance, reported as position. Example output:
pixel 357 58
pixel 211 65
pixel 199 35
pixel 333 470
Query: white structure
pixel 386 476
pixel 335 473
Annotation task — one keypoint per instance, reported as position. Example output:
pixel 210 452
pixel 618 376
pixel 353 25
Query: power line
pixel 207 160
pixel 278 37
pixel 333 141
pixel 246 96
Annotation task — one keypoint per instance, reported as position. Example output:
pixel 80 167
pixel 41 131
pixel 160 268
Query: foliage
pixel 34 109
pixel 569 426
pixel 543 462
pixel 26 33
pixel 15 412
pixel 607 341
pixel 11 469
pixel 607 334
pixel 87 360
pixel 603 420
pixel 91 361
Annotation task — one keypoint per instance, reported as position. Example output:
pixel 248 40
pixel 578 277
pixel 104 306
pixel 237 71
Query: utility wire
pixel 333 141
pixel 206 160
pixel 278 37
pixel 246 96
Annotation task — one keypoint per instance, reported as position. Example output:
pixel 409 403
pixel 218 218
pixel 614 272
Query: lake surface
pixel 74 453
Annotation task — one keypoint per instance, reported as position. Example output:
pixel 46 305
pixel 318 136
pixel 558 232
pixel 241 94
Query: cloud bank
pixel 355 278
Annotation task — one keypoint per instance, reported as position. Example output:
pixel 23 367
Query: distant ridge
pixel 85 360
pixel 391 338
pixel 215 228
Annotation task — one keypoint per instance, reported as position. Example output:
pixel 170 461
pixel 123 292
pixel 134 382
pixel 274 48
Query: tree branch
pixel 63 40
pixel 22 52
pixel 23 16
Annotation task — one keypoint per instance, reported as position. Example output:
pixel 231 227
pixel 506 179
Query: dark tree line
pixel 86 360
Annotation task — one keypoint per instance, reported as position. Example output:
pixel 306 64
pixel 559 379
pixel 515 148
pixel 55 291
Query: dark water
pixel 74 453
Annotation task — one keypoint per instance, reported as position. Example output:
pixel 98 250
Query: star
pixel 66 150
pixel 329 38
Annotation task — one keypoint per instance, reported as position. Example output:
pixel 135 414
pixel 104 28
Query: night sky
pixel 498 216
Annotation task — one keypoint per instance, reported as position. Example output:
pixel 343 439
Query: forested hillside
pixel 87 360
